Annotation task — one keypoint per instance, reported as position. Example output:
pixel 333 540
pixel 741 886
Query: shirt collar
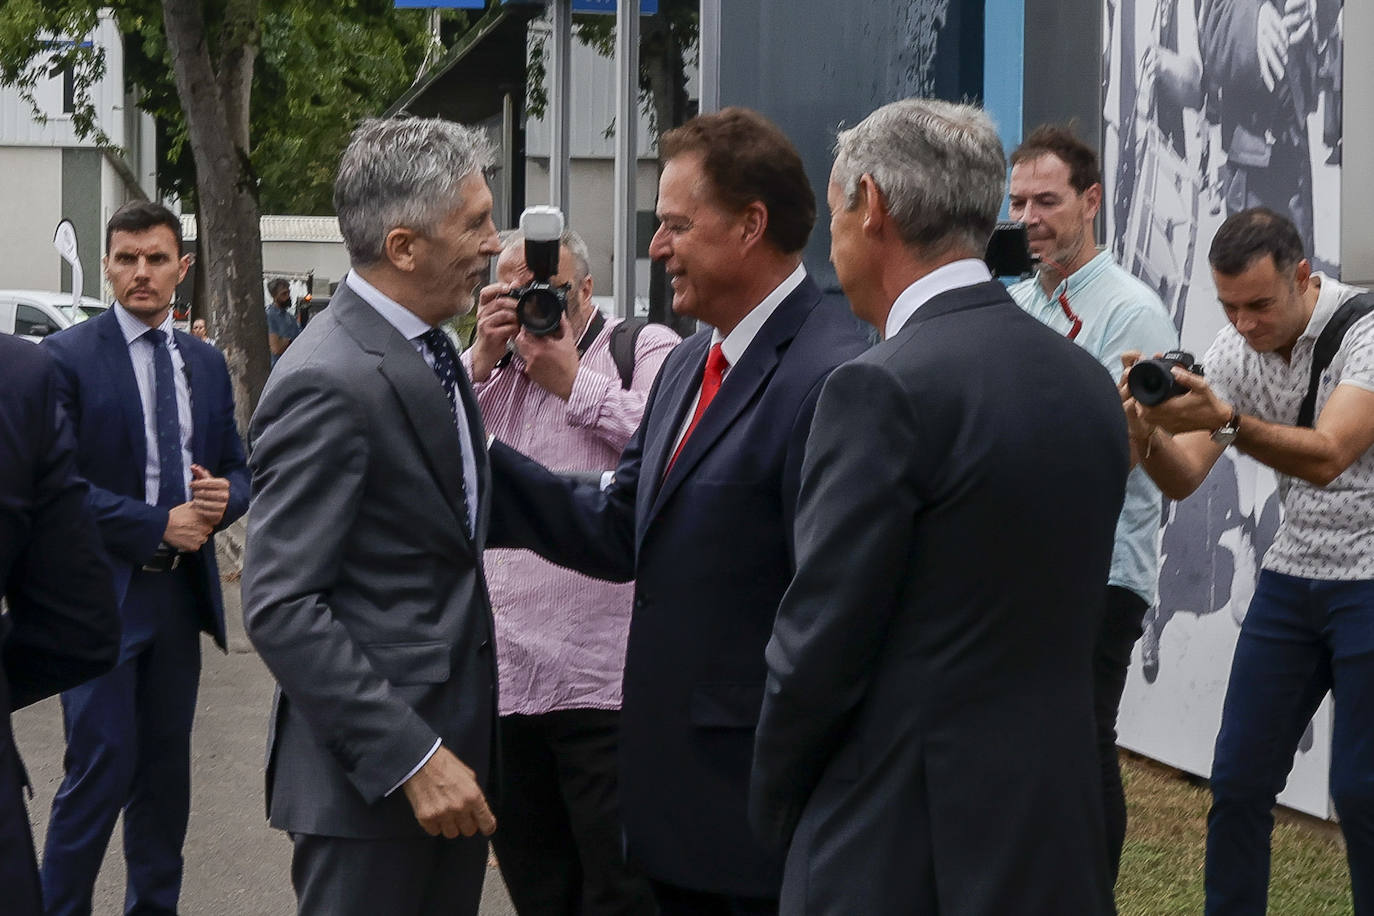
pixel 737 341
pixel 132 328
pixel 1328 300
pixel 955 275
pixel 398 316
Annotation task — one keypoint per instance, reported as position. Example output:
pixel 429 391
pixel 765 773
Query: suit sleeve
pixel 65 620
pixel 352 710
pixel 566 521
pixel 853 541
pixel 574 524
pixel 130 529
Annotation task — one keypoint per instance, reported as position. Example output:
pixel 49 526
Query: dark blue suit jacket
pixel 710 549
pixel 62 626
pixel 100 395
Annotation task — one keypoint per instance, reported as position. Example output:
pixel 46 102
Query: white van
pixel 34 314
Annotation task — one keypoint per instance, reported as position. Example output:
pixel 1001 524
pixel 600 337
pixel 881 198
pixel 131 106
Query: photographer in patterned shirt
pixel 1310 625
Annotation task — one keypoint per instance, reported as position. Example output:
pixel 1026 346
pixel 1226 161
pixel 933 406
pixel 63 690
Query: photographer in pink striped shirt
pixel 562 399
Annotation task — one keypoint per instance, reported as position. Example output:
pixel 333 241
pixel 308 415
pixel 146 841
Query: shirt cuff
pixel 432 752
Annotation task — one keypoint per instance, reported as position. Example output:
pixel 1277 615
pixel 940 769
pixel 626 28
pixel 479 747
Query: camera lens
pixel 1152 382
pixel 540 310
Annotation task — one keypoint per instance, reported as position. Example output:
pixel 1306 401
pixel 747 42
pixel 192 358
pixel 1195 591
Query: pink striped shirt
pixel 560 636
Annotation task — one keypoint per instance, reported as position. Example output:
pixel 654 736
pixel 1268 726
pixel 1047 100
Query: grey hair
pixel 939 166
pixel 402 172
pixel 569 240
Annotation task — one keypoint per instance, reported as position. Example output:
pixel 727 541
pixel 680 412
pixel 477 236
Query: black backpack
pixel 1328 342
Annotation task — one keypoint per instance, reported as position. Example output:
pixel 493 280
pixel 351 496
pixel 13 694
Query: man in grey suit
pixel 927 743
pixel 363 585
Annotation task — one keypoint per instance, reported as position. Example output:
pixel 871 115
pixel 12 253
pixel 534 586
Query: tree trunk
pixel 216 106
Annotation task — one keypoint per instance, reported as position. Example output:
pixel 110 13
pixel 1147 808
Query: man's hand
pixel 1137 428
pixel 1271 42
pixel 187 528
pixel 209 494
pixel 1298 16
pixel 496 325
pixel 1198 409
pixel 446 798
pixel 550 360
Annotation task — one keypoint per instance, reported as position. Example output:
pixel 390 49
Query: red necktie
pixel 716 364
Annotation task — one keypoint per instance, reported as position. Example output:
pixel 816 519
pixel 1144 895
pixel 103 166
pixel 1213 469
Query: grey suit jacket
pixel 363 590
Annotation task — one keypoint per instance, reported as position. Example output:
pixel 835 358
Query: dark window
pixel 30 321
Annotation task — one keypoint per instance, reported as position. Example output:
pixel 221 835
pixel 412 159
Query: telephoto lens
pixel 1152 380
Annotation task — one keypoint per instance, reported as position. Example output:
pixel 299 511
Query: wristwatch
pixel 1227 433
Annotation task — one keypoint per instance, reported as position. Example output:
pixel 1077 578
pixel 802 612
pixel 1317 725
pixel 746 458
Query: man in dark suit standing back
pixel 363 587
pixel 700 511
pixel 154 420
pixel 62 624
pixel 926 744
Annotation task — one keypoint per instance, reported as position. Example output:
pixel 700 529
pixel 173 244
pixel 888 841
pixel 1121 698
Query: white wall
pixel 1357 176
pixel 589 209
pixel 329 260
pixel 31 188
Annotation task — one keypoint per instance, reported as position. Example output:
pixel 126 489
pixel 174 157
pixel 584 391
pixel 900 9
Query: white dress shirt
pixel 145 376
pixel 733 345
pixel 954 275
pixel 412 327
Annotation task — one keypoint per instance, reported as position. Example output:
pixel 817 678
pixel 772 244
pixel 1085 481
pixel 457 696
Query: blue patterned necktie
pixel 171 489
pixel 446 367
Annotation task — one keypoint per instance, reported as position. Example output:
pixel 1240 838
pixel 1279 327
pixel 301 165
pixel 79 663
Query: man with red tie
pixel 701 507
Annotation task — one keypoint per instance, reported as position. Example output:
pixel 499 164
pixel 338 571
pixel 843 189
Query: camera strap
pixel 1328 342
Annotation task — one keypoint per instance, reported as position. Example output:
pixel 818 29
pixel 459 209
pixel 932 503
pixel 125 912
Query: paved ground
pixel 235 864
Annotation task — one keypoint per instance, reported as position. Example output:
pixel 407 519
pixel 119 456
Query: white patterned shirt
pixel 1327 532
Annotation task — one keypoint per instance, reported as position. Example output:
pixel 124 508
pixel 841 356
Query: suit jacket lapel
pixel 120 369
pixel 418 391
pixel 742 383
pixel 678 391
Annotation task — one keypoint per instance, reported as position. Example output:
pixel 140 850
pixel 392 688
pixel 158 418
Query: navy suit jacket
pixel 62 626
pixel 710 548
pixel 100 396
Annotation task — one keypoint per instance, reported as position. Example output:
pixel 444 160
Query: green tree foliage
pixel 321 68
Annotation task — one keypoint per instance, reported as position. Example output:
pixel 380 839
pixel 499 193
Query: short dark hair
pixel 276 284
pixel 139 216
pixel 1061 141
pixel 747 158
pixel 1252 234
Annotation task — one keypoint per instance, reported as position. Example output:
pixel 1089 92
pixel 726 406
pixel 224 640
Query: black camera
pixel 539 304
pixel 1152 380
pixel 1008 253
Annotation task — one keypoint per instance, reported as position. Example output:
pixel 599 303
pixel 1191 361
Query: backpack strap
pixel 1328 342
pixel 622 344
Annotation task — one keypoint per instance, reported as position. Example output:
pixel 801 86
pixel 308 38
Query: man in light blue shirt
pixel 1056 189
pixel 282 327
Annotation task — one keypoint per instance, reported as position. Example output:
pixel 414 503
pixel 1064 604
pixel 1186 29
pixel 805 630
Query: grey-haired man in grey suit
pixel 363 584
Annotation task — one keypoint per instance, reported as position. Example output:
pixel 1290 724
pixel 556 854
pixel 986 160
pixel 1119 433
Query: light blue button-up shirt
pixel 1119 313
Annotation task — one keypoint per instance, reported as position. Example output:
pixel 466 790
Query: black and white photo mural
pixel 1210 107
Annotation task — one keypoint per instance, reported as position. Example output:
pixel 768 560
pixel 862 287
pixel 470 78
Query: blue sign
pixel 646 7
pixel 441 4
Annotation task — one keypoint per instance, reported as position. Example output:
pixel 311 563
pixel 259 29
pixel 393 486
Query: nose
pixel 659 248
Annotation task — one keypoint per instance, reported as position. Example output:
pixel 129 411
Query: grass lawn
pixel 1161 867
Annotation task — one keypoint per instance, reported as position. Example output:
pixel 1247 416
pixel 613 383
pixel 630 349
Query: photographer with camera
pixel 1056 190
pixel 1290 382
pixel 545 372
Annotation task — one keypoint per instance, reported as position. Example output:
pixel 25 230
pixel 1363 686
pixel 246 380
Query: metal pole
pixel 626 152
pixel 560 103
pixel 709 50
